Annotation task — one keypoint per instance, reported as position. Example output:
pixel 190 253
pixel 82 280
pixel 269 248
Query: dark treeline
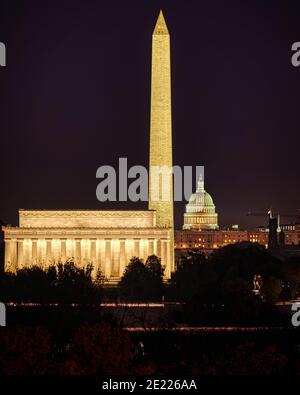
pixel 143 281
pixel 61 283
pixel 219 289
pixel 214 289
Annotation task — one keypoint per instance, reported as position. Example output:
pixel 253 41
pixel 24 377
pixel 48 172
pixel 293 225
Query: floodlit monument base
pixel 107 239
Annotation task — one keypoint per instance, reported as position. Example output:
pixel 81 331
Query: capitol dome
pixel 203 200
pixel 200 211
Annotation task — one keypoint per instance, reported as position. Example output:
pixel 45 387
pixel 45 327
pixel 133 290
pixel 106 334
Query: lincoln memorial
pixel 48 237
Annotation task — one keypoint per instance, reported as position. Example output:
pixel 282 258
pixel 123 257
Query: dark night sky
pixel 75 95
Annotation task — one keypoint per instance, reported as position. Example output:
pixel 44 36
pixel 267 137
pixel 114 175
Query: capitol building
pixel 200 211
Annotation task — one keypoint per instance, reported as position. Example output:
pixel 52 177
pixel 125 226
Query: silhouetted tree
pixel 133 284
pixel 74 284
pixel 243 260
pixel 63 283
pixel 219 289
pixel 142 281
pixel 192 273
pixel 155 272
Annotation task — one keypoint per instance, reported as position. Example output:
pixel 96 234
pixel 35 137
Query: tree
pixel 133 283
pixel 142 281
pixel 244 260
pixel 219 289
pixel 193 272
pixel 28 285
pixel 156 275
pixel 64 283
pixel 75 284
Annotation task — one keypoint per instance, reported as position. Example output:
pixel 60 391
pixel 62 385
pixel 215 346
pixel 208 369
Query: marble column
pixel 164 253
pixel 78 252
pixel 129 244
pixel 70 249
pixel 168 260
pixel 101 255
pixel 40 252
pixel 115 258
pixel 56 250
pixel 14 255
pixel 150 247
pixel 7 264
pixel 107 269
pixel 28 253
pixel 10 255
pixel 63 251
pixel 85 251
pixel 49 259
pixel 136 251
pixel 122 257
pixel 34 252
pixel 158 248
pixel 20 254
pixel 93 259
pixel 144 249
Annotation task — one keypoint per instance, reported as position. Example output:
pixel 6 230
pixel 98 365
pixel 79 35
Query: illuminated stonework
pixel 161 129
pixel 86 219
pixel 200 211
pixel 161 126
pixel 108 239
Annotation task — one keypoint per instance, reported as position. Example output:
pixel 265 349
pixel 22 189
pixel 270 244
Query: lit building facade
pixel 207 240
pixel 212 239
pixel 200 211
pixel 84 236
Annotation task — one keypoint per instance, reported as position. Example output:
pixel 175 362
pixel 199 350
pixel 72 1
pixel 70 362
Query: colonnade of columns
pixel 108 255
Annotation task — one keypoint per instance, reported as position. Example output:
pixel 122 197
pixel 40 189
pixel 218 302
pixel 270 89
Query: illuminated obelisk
pixel 160 176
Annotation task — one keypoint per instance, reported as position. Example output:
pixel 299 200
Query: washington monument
pixel 161 129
